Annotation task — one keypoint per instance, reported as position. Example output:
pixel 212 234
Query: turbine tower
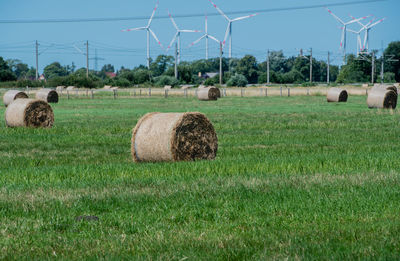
pixel 206 35
pixel 178 36
pixel 149 31
pixel 359 43
pixel 344 31
pixel 229 28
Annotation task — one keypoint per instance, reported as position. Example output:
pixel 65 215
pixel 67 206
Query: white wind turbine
pixel 344 31
pixel 367 28
pixel 149 31
pixel 206 35
pixel 229 28
pixel 358 34
pixel 178 36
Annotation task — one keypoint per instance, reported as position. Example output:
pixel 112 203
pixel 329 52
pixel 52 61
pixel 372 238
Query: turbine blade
pixel 198 40
pixel 226 34
pixel 337 18
pixel 173 21
pixel 378 22
pixel 152 15
pixel 213 38
pixel 172 42
pixel 342 40
pixel 189 31
pixel 134 29
pixel 219 10
pixel 155 37
pixel 243 17
pixel 356 20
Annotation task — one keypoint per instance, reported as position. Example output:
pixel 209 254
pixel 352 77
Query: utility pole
pixel 382 68
pixel 220 63
pixel 328 69
pixel 87 59
pixel 310 65
pixel 95 60
pixel 37 60
pixel 373 68
pixel 176 60
pixel 268 66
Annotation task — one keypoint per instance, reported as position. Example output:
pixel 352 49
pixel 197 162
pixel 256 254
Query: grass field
pixel 294 178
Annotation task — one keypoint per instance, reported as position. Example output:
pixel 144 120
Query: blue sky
pixel 284 30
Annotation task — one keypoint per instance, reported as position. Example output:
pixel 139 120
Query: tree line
pixel 236 72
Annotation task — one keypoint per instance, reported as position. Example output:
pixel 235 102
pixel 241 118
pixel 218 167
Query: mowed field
pixel 295 177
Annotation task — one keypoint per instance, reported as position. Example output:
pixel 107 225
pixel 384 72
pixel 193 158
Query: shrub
pixel 237 80
pixel 163 80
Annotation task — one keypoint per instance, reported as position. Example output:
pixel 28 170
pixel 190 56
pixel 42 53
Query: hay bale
pixel 60 88
pixel 336 95
pixel 364 85
pixel 114 88
pixel 208 94
pixel 70 88
pixel 173 137
pixel 167 87
pixel 29 113
pixel 397 85
pixel 384 97
pixel 47 95
pixel 12 95
pixel 107 87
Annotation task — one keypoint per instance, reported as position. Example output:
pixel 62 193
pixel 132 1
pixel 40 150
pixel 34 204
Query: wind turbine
pixel 344 31
pixel 149 31
pixel 178 36
pixel 367 28
pixel 206 35
pixel 229 28
pixel 358 34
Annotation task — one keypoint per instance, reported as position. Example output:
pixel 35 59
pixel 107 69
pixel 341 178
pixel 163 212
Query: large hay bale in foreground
pixel 174 137
pixel 47 95
pixel 208 94
pixel 336 95
pixel 384 97
pixel 29 113
pixel 12 95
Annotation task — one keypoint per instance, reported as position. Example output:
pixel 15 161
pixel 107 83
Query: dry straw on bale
pixel 70 88
pixel 29 113
pixel 107 87
pixel 208 94
pixel 12 95
pixel 174 137
pixel 336 95
pixel 60 88
pixel 384 97
pixel 47 95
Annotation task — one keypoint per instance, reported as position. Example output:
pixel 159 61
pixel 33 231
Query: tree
pixel 54 70
pixel 237 80
pixel 161 64
pixel 393 50
pixel 6 74
pixel 107 68
pixel 248 67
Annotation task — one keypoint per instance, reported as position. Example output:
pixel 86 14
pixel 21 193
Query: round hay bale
pixel 174 137
pixel 29 113
pixel 47 95
pixel 167 87
pixel 70 88
pixel 60 88
pixel 114 88
pixel 384 97
pixel 337 95
pixel 107 87
pixel 12 95
pixel 208 94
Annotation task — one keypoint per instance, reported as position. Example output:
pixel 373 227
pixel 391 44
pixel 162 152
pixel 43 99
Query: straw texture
pixel 173 137
pixel 384 97
pixel 12 95
pixel 47 95
pixel 336 95
pixel 29 113
pixel 208 94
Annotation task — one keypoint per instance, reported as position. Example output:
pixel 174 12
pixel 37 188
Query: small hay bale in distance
pixel 70 88
pixel 174 137
pixel 383 97
pixel 29 113
pixel 167 87
pixel 60 88
pixel 336 95
pixel 208 94
pixel 47 95
pixel 12 95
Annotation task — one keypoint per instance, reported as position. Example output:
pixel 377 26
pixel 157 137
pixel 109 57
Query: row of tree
pixel 237 72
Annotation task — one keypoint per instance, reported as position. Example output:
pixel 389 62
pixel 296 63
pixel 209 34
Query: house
pixel 208 75
pixel 111 74
pixel 42 78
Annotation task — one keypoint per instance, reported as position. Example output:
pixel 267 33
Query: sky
pixel 288 31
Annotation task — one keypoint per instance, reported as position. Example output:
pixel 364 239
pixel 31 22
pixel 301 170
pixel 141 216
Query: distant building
pixel 208 75
pixel 111 74
pixel 42 78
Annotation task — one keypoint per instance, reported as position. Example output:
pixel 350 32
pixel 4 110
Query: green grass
pixel 294 178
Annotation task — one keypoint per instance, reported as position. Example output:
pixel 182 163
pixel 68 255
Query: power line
pixel 113 19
